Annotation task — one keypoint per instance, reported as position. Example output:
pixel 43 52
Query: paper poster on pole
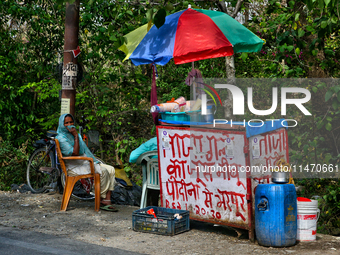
pixel 65 106
pixel 69 76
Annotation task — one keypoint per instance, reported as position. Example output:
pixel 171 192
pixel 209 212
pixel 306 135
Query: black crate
pixel 165 224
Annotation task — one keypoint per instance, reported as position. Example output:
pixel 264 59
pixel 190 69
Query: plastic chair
pixel 150 173
pixel 70 181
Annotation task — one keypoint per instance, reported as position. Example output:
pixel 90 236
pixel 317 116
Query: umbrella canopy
pixel 189 35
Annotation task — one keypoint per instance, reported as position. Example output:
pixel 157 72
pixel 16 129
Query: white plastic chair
pixel 149 165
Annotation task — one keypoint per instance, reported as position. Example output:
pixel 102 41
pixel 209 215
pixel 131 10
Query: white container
pixel 307 217
pixel 209 117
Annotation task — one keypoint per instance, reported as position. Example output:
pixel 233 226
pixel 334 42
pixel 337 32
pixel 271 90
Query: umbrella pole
pixel 193 82
pixel 153 98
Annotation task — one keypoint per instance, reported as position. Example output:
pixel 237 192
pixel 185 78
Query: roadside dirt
pixel 40 213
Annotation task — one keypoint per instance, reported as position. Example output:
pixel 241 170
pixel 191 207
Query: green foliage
pixel 298 43
pixel 123 151
pixel 126 146
pixel 333 97
pixel 13 162
pixel 31 35
pixel 329 202
pixel 330 206
pixel 171 81
pixel 316 142
pixel 317 139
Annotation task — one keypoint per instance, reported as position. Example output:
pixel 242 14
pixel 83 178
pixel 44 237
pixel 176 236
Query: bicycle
pixel 44 172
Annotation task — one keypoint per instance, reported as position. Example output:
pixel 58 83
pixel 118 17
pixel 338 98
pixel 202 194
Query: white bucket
pixel 307 217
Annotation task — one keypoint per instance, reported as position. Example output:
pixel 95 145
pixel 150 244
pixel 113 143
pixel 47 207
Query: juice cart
pixel 212 170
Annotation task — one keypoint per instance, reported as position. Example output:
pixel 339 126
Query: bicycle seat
pixel 51 133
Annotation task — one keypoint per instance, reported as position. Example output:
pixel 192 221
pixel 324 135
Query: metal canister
pixel 280 177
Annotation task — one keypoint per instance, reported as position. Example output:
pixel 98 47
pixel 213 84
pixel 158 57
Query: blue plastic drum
pixel 275 215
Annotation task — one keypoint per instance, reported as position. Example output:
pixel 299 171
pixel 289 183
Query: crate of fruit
pixel 160 220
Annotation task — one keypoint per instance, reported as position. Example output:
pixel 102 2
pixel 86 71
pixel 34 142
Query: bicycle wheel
pixel 41 173
pixel 79 192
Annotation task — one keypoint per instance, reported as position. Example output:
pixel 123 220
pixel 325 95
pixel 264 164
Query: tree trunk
pixel 229 61
pixel 230 71
pixel 70 67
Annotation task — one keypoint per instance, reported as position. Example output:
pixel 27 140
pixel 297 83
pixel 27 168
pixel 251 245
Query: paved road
pixel 16 241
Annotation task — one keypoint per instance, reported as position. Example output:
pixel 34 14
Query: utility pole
pixel 70 67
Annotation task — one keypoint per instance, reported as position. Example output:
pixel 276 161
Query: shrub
pixel 328 191
pixel 13 163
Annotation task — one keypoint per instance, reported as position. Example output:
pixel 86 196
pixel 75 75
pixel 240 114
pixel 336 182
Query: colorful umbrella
pixel 190 35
